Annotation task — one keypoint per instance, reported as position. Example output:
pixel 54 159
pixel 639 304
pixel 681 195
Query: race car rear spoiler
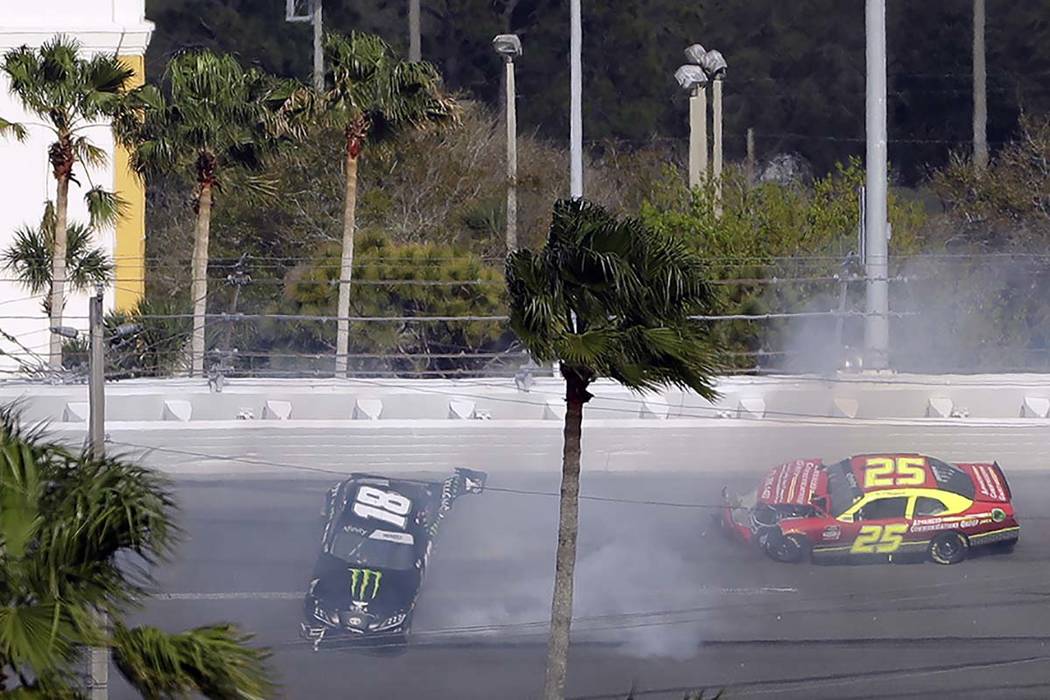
pixel 989 482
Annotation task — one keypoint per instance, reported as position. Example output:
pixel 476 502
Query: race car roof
pixel 892 470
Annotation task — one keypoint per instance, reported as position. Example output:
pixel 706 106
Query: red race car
pixel 875 506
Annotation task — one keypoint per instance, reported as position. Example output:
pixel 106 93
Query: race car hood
pixel 382 592
pixel 794 483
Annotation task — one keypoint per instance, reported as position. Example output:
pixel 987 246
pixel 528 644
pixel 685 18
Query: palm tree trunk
pixel 199 271
pixel 568 525
pixel 346 263
pixel 58 270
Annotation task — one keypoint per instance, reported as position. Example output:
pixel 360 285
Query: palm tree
pixel 79 535
pixel 606 298
pixel 68 95
pixel 29 257
pixel 371 96
pixel 220 121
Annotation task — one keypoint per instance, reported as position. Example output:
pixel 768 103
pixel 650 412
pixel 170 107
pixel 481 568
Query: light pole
pixel 876 321
pixel 509 47
pixel 576 100
pixel 415 52
pixel 980 89
pixel 693 79
pixel 714 64
pixel 293 12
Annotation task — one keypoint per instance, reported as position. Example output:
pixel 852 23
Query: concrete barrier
pixel 1035 407
pixel 654 406
pixel 844 408
pixel 939 407
pixel 554 409
pixel 184 401
pixel 75 412
pixel 277 410
pixel 461 409
pixel 368 409
pixel 177 410
pixel 751 408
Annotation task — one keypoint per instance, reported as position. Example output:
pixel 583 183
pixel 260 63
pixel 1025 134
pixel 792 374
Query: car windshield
pixel 364 549
pixel 842 487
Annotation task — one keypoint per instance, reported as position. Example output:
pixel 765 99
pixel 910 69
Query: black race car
pixel 377 538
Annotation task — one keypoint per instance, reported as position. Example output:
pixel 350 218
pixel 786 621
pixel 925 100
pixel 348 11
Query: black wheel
pixel 949 548
pixel 788 549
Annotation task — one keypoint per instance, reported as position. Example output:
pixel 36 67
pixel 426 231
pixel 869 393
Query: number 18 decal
pixel 878 539
pixel 388 506
pixel 885 472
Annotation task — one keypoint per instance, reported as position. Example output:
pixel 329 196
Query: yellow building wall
pixel 129 251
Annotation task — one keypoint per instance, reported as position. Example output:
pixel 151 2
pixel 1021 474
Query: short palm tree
pixel 78 536
pixel 219 121
pixel 29 257
pixel 605 298
pixel 68 95
pixel 371 96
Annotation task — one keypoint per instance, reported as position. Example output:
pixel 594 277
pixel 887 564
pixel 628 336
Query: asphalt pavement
pixel 664 604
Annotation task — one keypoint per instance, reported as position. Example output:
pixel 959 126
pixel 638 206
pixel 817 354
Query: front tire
pixel 789 549
pixel 949 548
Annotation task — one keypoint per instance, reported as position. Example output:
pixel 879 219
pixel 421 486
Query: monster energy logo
pixel 361 579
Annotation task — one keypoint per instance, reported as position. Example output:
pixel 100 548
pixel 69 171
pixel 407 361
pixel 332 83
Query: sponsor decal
pixel 962 522
pixel 832 533
pixel 998 515
pixel 364 583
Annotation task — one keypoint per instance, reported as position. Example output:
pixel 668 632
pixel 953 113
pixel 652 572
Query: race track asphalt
pixel 664 604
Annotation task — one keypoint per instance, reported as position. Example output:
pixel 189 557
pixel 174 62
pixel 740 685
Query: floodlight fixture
pixel 690 77
pixel 714 64
pixel 507 45
pixel 65 331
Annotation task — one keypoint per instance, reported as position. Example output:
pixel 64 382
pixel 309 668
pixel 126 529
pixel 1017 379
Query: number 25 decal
pixel 878 539
pixel 885 472
pixel 388 506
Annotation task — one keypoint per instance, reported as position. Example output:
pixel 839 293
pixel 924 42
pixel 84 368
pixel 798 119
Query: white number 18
pixel 387 506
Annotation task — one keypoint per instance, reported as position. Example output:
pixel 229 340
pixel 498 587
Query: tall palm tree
pixel 68 94
pixel 29 257
pixel 78 536
pixel 606 298
pixel 219 121
pixel 371 96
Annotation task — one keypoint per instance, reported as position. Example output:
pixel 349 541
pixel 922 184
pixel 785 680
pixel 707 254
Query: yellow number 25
pixel 884 472
pixel 878 539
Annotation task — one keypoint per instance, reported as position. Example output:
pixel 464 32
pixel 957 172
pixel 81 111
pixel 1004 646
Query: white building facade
pixel 26 184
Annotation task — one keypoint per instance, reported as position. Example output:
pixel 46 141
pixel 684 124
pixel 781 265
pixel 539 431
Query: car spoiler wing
pixel 989 482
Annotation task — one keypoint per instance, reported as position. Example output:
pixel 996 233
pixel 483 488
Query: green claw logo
pixel 360 580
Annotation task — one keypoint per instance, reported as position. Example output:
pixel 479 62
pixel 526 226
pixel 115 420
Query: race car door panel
pixel 875 525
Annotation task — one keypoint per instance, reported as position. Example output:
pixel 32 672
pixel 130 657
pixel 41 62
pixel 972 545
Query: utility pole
pixel 576 101
pixel 415 52
pixel 980 89
pixel 876 322
pixel 99 656
pixel 697 136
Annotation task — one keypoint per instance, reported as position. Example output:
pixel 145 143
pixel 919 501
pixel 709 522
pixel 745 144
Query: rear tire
pixel 1004 547
pixel 949 548
pixel 789 549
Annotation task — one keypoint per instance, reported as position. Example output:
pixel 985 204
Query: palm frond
pixel 215 661
pixel 9 128
pixel 105 208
